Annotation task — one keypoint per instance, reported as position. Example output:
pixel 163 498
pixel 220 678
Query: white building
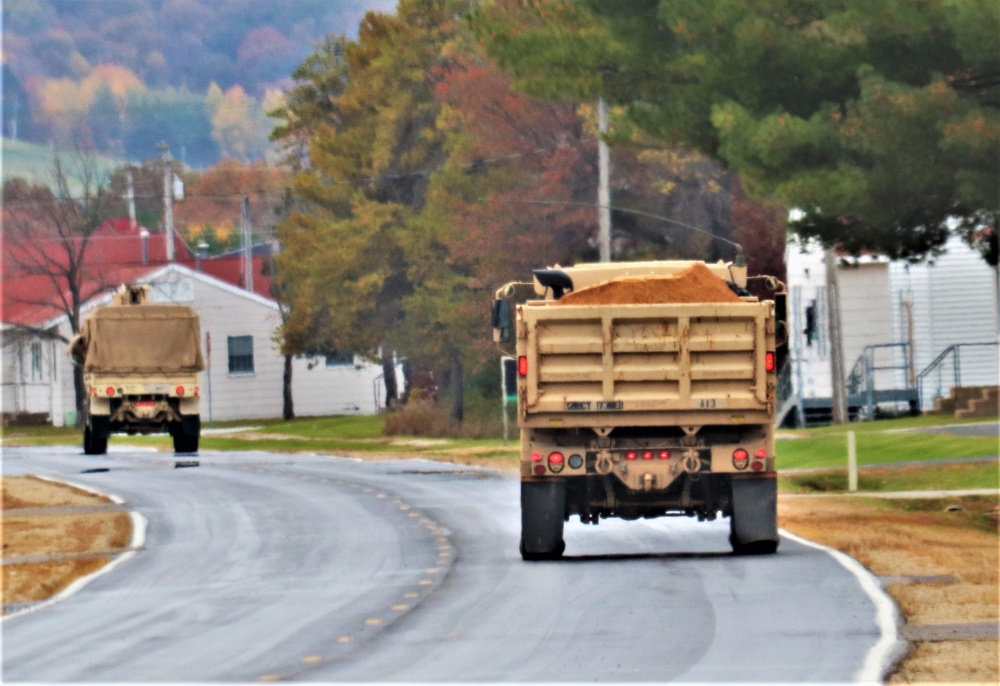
pixel 898 316
pixel 244 371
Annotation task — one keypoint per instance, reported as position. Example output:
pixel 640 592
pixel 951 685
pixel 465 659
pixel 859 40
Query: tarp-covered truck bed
pixel 146 339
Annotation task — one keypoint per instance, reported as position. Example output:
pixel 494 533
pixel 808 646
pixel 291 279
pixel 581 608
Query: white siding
pixel 952 301
pixel 224 311
pixel 866 316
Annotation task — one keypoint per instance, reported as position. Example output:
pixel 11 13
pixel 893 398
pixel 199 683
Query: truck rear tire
pixel 543 511
pixel 753 525
pixel 186 435
pixel 95 436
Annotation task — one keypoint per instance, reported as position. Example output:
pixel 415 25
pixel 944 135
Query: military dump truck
pixel 644 390
pixel 141 363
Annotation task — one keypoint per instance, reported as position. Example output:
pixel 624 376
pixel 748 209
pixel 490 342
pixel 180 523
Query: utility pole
pixel 247 244
pixel 168 201
pixel 603 183
pixel 836 341
pixel 130 197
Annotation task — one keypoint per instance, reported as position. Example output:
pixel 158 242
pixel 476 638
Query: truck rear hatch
pixel 654 358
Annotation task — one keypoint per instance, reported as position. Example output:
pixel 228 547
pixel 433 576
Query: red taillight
pixel 664 454
pixel 761 453
pixel 522 365
pixel 109 390
pixel 769 362
pixel 556 462
pixel 740 458
pixel 757 466
pixel 648 455
pixel 539 469
pixel 180 390
pixel 93 390
pixel 630 455
pixel 536 457
pixel 197 390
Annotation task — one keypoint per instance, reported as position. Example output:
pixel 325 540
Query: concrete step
pixel 986 405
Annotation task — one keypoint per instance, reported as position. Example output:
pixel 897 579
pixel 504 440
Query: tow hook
pixel 603 465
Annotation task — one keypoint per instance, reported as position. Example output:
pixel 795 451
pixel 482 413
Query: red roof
pixel 114 256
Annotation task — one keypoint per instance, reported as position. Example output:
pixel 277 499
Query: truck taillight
pixel 769 361
pixel 180 390
pixel 631 455
pixel 109 390
pixel 556 462
pixel 522 365
pixel 740 458
pixel 761 453
pixel 648 455
pixel 536 457
pixel 197 390
pixel 664 454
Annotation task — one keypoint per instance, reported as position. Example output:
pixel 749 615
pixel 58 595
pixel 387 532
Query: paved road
pixel 263 566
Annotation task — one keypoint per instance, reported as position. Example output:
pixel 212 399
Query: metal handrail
pixel 956 365
pixel 862 376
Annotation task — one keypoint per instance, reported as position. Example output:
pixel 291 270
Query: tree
pixel 47 240
pixel 881 125
pixel 367 111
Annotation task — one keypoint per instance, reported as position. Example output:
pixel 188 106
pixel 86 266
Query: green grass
pixel 887 479
pixel 824 448
pixel 878 442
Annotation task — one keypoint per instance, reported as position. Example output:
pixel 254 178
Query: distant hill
pixel 118 74
pixel 33 162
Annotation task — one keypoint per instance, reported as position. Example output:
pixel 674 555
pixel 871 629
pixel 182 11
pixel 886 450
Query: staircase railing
pixel 954 351
pixel 861 380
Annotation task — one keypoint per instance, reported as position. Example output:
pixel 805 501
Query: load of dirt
pixel 696 284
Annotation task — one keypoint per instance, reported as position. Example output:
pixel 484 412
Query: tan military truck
pixel 645 389
pixel 141 363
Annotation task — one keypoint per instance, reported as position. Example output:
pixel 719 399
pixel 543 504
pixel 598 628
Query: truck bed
pixel 630 364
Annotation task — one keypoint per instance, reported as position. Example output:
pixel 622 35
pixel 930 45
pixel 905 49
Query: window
pixel 339 359
pixel 36 361
pixel 240 354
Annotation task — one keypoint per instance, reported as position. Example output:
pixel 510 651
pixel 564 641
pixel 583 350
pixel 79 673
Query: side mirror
pixel 781 317
pixel 501 321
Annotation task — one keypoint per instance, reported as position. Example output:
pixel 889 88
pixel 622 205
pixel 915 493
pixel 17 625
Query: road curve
pixel 262 566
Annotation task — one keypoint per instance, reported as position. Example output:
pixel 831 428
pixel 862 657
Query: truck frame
pixel 643 410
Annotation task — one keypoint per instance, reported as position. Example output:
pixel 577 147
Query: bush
pixel 424 418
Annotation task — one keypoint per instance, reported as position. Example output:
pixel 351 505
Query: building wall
pixel 224 311
pixel 953 301
pixel 866 317
pixel 932 306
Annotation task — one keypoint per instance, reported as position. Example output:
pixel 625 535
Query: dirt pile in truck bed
pixel 696 284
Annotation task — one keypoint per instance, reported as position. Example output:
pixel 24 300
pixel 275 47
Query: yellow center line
pixel 312 659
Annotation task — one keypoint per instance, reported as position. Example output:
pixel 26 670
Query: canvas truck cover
pixel 146 339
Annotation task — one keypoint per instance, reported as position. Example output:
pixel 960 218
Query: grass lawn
pixel 825 448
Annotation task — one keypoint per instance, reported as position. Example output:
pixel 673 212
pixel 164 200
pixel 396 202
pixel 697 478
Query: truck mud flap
pixel 753 526
pixel 543 509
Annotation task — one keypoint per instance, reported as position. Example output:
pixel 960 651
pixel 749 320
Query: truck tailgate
pixel 645 358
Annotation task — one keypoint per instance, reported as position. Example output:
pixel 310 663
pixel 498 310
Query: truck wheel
pixel 543 508
pixel 95 436
pixel 753 525
pixel 186 435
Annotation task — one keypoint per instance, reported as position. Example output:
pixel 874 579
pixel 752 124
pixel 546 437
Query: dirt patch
pixel 942 569
pixel 696 284
pixel 46 549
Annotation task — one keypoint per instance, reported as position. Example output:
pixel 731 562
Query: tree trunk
pixel 457 389
pixel 389 376
pixel 287 408
pixel 80 391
